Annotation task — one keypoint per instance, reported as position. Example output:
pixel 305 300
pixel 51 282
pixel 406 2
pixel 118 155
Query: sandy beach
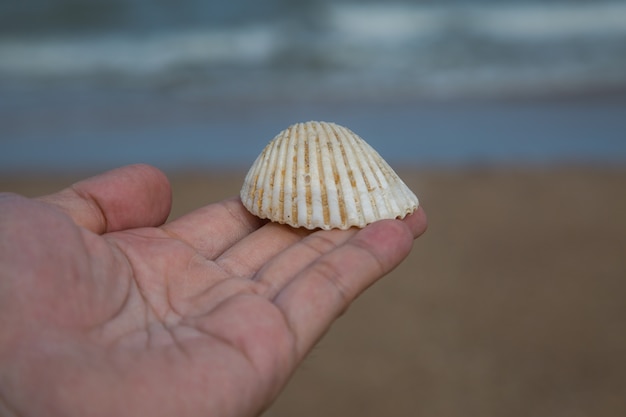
pixel 512 304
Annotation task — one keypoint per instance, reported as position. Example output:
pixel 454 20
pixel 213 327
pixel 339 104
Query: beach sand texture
pixel 512 303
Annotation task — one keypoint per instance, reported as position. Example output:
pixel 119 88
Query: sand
pixel 512 304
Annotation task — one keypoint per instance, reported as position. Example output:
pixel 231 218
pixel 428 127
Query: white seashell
pixel 322 175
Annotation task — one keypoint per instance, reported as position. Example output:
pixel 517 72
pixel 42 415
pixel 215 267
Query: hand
pixel 105 310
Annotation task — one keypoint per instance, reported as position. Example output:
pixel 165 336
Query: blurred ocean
pixel 191 84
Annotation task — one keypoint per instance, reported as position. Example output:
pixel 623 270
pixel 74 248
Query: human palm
pixel 107 310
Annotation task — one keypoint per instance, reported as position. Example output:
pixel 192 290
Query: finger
pixel 251 254
pixel 213 229
pixel 278 272
pixel 246 257
pixel 127 197
pixel 322 291
pixel 417 222
pixel 288 250
pixel 237 265
pixel 281 270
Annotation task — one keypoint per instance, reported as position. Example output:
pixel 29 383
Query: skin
pixel 106 310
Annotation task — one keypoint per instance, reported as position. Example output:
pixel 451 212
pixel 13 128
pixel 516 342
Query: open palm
pixel 107 310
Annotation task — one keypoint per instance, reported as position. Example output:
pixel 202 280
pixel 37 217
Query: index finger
pixel 212 229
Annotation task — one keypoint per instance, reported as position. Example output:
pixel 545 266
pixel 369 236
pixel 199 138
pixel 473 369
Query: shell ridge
pixel 402 193
pixel 353 208
pixel 345 192
pixel 277 208
pixel 365 188
pixel 393 187
pixel 386 178
pixel 363 210
pixel 301 214
pixel 258 188
pixel 318 172
pixel 410 196
pixel 268 175
pixel 372 188
pixel 291 209
pixel 336 208
pixel 268 186
pixel 306 178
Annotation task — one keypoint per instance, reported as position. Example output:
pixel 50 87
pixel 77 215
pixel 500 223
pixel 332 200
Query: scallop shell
pixel 322 175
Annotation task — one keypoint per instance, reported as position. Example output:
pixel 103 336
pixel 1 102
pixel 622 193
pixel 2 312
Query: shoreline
pixel 80 133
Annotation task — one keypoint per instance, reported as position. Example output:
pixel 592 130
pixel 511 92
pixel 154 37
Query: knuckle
pixel 328 272
pixel 319 244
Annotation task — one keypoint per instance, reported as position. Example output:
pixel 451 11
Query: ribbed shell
pixel 322 175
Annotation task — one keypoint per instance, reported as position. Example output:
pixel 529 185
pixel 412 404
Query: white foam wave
pixel 533 21
pixel 359 46
pixel 135 55
pixel 553 21
pixel 385 23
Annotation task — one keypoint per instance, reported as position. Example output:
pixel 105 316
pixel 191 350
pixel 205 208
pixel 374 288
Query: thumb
pixel 127 197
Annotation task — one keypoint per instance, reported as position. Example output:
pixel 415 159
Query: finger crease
pixel 361 246
pixel 229 343
pixel 319 244
pixel 127 293
pixel 95 206
pixel 146 302
pixel 179 345
pixel 173 235
pixel 328 272
pixel 238 219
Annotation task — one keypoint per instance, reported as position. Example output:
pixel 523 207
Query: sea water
pixel 197 84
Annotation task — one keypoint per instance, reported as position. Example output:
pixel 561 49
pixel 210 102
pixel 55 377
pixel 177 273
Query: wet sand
pixel 512 304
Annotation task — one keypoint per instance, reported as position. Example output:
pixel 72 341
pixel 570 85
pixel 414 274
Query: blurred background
pixel 92 84
pixel 507 118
